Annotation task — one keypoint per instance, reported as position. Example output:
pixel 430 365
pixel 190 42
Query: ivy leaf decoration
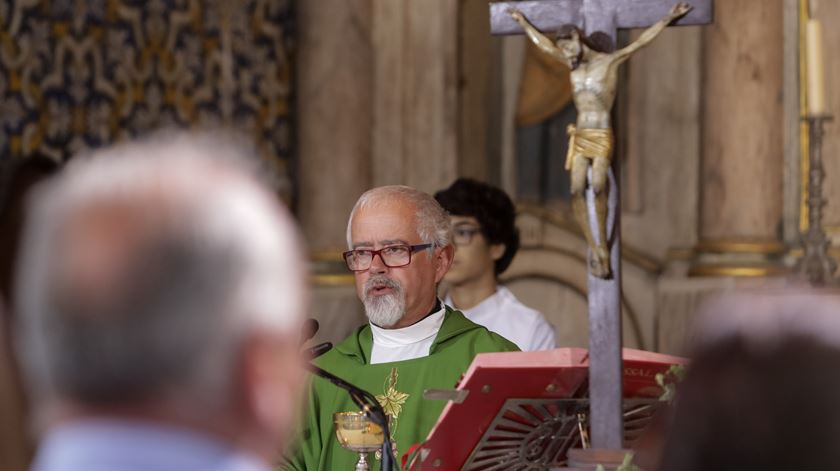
pixel 626 465
pixel 668 382
pixel 393 400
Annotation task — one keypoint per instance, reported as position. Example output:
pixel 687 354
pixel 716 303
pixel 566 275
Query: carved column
pixel 742 141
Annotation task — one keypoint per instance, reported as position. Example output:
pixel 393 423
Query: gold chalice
pixel 357 433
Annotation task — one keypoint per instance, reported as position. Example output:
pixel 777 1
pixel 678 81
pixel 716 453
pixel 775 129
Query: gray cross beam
pixel 604 295
pixel 590 16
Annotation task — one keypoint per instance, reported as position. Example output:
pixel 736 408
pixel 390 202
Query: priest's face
pixel 394 297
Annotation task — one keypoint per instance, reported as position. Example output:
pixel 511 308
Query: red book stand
pixel 525 410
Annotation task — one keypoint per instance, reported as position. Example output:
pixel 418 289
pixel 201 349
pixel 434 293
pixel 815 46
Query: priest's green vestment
pixel 397 385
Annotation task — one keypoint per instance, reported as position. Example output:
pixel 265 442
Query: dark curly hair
pixel 492 208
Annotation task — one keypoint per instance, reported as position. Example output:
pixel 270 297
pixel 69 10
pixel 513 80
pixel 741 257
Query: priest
pixel 400 249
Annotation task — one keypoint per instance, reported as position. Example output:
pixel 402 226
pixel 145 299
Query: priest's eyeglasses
pixel 393 256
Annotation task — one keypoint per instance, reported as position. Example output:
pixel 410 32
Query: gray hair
pixel 204 256
pixel 764 318
pixel 433 226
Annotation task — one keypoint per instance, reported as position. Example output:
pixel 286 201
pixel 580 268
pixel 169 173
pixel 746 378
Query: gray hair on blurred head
pixel 764 318
pixel 145 265
pixel 433 226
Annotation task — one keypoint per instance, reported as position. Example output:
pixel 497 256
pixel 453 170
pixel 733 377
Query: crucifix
pixel 588 50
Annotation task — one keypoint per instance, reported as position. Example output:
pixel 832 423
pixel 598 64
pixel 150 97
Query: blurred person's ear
pixel 272 385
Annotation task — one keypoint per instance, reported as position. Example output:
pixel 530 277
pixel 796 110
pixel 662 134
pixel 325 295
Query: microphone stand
pixel 370 407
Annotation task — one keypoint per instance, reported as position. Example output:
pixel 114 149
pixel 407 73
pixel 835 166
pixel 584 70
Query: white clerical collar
pixel 415 333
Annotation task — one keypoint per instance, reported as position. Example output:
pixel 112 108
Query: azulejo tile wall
pixel 76 74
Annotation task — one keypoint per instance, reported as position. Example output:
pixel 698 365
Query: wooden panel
pixel 389 18
pixel 663 143
pixel 742 142
pixel 474 101
pixel 415 124
pixel 334 113
pixel 431 94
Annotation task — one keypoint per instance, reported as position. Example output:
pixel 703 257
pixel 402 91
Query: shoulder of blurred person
pixel 160 295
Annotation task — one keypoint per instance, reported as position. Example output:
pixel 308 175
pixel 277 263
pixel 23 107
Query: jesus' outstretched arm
pixel 540 40
pixel 677 11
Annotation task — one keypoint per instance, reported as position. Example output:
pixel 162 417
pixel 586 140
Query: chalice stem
pixel 362 464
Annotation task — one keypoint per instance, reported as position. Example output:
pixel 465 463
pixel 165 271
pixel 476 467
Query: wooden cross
pixel 604 295
pixel 605 16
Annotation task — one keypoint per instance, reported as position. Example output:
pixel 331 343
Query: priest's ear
pixel 443 260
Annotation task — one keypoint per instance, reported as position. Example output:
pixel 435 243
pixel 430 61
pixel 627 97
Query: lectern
pixel 525 410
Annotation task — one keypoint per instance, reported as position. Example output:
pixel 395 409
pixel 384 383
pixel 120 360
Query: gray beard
pixel 386 310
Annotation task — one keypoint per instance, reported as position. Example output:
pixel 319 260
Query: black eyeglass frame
pixel 465 227
pixel 374 253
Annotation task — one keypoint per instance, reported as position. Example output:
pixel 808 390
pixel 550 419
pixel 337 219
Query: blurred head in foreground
pixel 762 389
pixel 161 283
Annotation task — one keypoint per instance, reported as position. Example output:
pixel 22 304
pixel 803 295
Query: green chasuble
pixel 397 385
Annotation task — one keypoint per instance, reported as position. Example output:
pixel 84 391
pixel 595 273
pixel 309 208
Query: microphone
pixel 370 406
pixel 319 350
pixel 365 400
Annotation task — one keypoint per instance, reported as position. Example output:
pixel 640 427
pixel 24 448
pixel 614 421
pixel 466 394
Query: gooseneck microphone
pixel 371 408
pixel 319 350
pixel 365 400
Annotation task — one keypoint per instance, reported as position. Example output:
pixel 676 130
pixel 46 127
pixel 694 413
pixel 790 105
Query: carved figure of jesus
pixel 594 75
